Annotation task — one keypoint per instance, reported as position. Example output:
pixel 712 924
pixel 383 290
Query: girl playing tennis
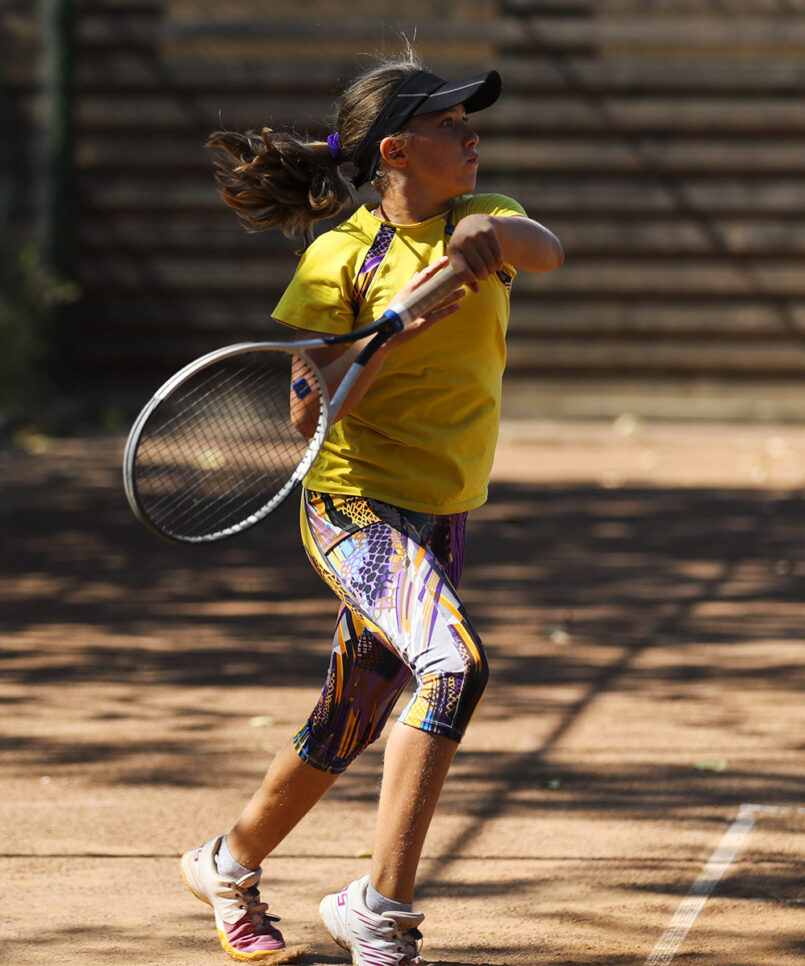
pixel 384 507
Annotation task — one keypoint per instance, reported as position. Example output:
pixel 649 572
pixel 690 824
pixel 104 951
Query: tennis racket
pixel 226 439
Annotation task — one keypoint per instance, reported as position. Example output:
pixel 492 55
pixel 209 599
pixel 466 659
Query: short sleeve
pixel 487 204
pixel 318 296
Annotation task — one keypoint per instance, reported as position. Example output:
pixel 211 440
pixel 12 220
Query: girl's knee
pixel 481 669
pixel 328 755
pixel 476 678
pixel 445 700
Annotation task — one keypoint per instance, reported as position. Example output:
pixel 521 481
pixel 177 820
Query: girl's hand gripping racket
pixel 217 448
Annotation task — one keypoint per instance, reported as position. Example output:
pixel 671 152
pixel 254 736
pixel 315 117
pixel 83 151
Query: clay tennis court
pixel 631 791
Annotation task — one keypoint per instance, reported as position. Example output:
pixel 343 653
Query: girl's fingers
pixel 475 250
pixel 463 269
pixel 450 302
pixel 419 325
pixel 484 258
pixel 425 322
pixel 424 275
pixel 430 270
pixel 442 313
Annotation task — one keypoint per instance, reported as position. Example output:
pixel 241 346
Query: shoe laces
pixel 257 911
pixel 409 940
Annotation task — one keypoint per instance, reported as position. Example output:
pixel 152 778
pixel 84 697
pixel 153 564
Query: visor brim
pixel 475 93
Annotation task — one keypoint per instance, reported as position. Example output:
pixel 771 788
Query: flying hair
pixel 281 179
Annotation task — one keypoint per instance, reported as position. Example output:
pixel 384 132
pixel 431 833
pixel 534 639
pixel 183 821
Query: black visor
pixel 421 93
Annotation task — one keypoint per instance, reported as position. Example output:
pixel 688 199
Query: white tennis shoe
pixel 245 928
pixel 388 940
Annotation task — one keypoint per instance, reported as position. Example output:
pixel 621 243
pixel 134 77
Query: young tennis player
pixel 384 507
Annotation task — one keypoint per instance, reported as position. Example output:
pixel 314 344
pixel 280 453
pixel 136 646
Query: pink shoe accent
pixel 244 926
pixel 245 937
pixel 392 939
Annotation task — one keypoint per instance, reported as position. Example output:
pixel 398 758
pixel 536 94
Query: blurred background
pixel 662 140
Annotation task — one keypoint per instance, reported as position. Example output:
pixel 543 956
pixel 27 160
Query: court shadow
pixel 570 586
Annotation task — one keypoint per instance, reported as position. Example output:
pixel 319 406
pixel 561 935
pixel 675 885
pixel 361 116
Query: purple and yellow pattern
pixel 395 572
pixel 377 252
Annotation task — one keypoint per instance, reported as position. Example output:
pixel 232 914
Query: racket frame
pixel 390 322
pixel 177 380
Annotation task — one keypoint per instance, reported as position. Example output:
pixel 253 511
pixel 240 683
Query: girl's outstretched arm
pixel 482 244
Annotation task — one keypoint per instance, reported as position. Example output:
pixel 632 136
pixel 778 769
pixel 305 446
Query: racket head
pixel 216 450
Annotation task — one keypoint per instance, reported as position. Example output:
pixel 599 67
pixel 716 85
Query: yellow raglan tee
pixel 424 435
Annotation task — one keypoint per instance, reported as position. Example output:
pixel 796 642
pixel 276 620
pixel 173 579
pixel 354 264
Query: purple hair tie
pixel 334 144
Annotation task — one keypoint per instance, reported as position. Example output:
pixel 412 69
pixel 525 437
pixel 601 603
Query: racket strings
pixel 222 446
pixel 203 459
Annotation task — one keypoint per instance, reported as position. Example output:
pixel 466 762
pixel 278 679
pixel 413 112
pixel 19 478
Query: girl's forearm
pixel 528 245
pixel 333 366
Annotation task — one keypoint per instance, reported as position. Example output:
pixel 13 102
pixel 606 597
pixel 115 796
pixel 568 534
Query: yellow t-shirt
pixel 424 435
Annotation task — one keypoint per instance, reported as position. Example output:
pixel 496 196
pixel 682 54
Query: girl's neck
pixel 407 211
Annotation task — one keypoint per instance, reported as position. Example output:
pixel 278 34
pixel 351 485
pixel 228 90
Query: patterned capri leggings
pixel 395 572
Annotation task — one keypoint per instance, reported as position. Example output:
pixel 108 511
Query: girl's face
pixel 442 154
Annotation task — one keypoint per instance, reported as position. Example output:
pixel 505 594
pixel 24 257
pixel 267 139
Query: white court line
pixel 688 910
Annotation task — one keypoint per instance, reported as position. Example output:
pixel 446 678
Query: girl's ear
pixel 393 152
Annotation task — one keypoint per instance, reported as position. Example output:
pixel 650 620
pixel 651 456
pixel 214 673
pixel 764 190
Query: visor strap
pixel 392 115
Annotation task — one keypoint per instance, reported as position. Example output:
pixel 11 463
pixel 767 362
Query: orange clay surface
pixel 639 588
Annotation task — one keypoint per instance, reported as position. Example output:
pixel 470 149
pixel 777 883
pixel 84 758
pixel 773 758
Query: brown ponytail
pixel 276 179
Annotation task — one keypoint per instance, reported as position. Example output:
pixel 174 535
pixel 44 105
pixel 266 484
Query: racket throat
pixel 393 324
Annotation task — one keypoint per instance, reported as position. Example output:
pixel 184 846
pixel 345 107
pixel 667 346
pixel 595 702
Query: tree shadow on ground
pixel 625 567
pixel 93 597
pixel 615 572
